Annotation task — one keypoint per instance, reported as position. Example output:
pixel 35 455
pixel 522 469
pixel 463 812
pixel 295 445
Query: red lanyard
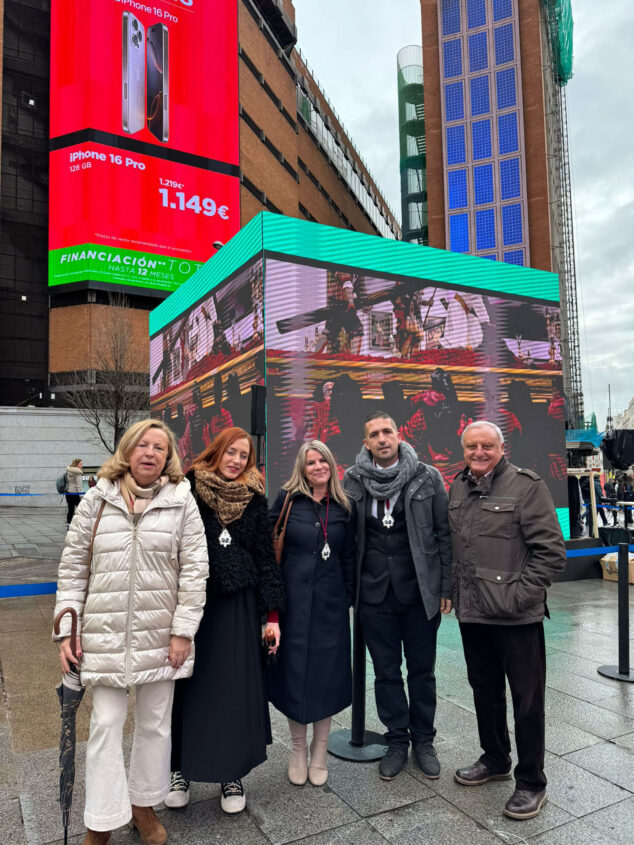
pixel 324 525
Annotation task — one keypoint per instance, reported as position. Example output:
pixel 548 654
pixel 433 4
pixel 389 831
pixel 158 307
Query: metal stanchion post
pixel 357 744
pixel 622 672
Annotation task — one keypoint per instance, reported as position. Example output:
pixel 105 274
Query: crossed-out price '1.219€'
pixel 179 201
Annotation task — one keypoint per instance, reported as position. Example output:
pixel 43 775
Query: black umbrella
pixel 70 693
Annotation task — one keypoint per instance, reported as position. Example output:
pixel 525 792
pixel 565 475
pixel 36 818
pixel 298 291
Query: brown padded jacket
pixel 507 546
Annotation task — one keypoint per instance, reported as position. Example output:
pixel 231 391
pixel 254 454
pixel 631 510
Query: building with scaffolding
pixel 496 141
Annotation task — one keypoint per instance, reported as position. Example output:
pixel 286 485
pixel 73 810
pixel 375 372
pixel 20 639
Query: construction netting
pixel 561 26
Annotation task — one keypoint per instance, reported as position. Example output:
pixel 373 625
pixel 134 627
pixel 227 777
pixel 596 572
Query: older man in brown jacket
pixel 507 546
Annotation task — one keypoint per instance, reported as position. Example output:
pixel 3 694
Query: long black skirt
pixel 220 718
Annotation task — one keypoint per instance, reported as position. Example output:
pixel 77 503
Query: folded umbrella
pixel 70 693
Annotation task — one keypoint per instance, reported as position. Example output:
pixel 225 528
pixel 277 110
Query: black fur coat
pixel 249 561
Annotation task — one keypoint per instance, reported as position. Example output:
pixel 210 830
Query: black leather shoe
pixel 524 804
pixel 393 761
pixel 479 773
pixel 427 760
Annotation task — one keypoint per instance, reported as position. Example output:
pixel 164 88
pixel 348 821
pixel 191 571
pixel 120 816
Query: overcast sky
pixel 351 46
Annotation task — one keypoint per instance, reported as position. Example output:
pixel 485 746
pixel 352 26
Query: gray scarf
pixel 384 483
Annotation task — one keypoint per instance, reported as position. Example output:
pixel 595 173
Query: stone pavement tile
pixel 615 821
pixel 576 686
pixel 38 775
pixel 625 741
pixel 592 646
pixel 11 822
pixel 562 662
pixel 435 820
pixel 485 803
pixel 361 787
pixel 578 791
pixel 586 716
pixel 562 738
pixel 357 833
pixel 205 823
pixel 620 701
pixel 579 832
pixel 453 721
pixel 20 615
pixel 609 761
pixel 285 812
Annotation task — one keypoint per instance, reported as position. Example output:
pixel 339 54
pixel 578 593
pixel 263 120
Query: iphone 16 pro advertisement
pixel 144 133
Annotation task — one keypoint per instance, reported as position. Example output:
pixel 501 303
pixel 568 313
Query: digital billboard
pixel 202 365
pixel 144 139
pixel 340 344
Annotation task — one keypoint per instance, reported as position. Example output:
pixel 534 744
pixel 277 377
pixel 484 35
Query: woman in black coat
pixel 311 679
pixel 220 719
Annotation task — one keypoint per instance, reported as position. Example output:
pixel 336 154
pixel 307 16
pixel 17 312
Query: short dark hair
pixel 378 415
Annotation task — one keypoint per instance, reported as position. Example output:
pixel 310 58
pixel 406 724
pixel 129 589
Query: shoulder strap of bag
pixel 280 528
pixel 286 509
pixel 94 530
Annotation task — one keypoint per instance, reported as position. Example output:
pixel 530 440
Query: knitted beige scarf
pixel 227 499
pixel 138 498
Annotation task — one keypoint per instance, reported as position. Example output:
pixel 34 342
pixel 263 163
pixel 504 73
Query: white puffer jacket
pixel 147 583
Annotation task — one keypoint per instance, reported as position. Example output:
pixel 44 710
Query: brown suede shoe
pixel 524 804
pixel 150 829
pixel 479 773
pixel 97 837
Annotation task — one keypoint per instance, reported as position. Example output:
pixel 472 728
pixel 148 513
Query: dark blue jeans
pixel 391 628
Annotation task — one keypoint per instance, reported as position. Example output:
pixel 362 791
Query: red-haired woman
pixel 220 720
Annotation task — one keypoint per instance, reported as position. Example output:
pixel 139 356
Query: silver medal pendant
pixel 325 552
pixel 388 519
pixel 225 538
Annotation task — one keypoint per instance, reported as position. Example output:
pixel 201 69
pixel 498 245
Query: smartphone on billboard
pixel 133 75
pixel 158 81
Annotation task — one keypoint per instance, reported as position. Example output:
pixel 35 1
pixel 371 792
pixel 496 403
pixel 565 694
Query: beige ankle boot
pixel 298 761
pixel 150 829
pixel 318 770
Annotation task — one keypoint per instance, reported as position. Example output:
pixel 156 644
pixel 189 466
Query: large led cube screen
pixel 339 324
pixel 144 139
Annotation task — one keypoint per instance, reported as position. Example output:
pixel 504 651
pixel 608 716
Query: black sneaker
pixel 393 761
pixel 233 799
pixel 427 760
pixel 178 795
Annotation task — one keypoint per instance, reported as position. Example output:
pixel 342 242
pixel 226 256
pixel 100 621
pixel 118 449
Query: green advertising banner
pixel 118 266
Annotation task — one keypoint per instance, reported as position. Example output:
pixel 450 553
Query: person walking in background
pixel 220 721
pixel 404 580
pixel 74 486
pixel 507 548
pixel 312 679
pixel 610 494
pixel 139 599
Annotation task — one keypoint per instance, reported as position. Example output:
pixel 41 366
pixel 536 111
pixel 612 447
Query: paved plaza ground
pixel 589 739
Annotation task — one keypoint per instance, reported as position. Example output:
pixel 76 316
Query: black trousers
pixel 72 501
pixel 518 653
pixel 389 628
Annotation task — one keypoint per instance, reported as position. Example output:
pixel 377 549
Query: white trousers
pixel 109 795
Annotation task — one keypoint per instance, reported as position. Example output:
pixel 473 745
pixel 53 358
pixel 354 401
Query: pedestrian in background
pixel 312 679
pixel 220 722
pixel 139 600
pixel 507 548
pixel 74 486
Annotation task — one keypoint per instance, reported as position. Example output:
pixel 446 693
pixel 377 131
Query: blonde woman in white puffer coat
pixel 139 603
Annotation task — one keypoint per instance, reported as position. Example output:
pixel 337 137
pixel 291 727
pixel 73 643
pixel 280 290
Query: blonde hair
pixel 297 483
pixel 117 466
pixel 75 462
